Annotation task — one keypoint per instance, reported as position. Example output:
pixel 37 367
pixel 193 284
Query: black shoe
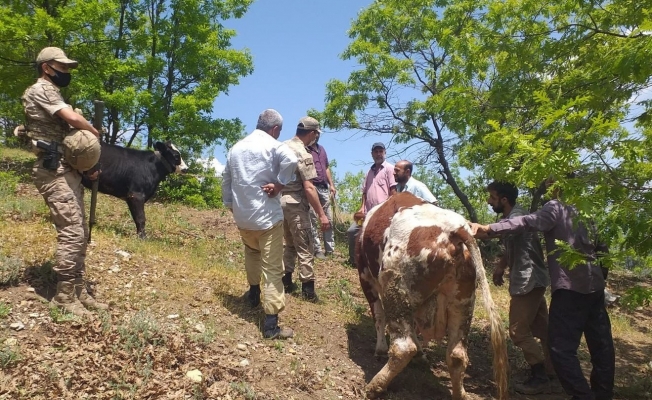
pixel 308 291
pixel 537 384
pixel 271 330
pixel 288 285
pixel 254 295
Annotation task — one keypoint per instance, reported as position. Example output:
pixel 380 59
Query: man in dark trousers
pixel 577 305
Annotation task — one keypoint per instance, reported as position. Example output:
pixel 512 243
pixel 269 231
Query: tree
pixel 421 67
pixel 349 191
pixel 158 64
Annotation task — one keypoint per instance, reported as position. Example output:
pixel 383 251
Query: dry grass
pixel 189 274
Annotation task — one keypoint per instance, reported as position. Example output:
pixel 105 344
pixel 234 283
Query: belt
pixel 321 185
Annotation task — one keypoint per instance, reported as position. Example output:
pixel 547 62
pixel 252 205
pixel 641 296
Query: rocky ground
pixel 179 327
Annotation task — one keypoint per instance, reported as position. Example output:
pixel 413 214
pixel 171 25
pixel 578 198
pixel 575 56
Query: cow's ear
pixel 159 146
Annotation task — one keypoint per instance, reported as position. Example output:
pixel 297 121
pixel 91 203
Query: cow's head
pixel 170 154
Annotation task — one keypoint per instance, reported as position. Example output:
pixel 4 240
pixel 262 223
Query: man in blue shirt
pixel 406 183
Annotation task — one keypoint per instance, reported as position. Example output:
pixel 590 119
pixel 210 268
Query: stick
pixel 97 124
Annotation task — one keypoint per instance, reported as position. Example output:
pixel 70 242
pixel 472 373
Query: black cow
pixel 134 175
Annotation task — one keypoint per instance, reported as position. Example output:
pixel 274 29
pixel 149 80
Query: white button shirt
pixel 254 161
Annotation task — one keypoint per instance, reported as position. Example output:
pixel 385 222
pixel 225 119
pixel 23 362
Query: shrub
pixel 10 269
pixel 8 183
pixel 199 188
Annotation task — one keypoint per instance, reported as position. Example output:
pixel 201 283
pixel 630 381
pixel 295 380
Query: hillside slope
pixel 177 306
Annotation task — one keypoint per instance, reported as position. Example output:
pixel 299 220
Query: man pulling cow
pixel 577 304
pixel 418 267
pixel 62 154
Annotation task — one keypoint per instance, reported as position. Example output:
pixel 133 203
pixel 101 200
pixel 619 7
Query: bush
pixel 199 188
pixel 8 183
pixel 10 270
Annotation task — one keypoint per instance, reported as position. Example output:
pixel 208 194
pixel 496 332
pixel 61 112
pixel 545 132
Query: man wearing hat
pixel 49 123
pixel 379 184
pixel 297 197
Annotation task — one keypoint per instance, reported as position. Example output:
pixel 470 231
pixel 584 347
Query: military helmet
pixel 81 149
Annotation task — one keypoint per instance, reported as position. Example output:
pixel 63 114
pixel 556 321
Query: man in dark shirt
pixel 528 280
pixel 325 190
pixel 577 304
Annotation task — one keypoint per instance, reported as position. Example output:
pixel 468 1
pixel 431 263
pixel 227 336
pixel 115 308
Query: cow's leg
pixel 377 311
pixel 459 324
pixel 136 203
pixel 380 322
pixel 402 346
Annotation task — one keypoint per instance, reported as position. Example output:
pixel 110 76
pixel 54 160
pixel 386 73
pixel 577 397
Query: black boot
pixel 288 285
pixel 538 382
pixel 271 330
pixel 308 291
pixel 254 295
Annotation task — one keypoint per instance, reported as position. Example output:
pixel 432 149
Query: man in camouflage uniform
pixel 49 119
pixel 297 197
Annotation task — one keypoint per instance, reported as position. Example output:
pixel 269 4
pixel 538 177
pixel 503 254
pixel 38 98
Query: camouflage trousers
pixel 64 195
pixel 299 241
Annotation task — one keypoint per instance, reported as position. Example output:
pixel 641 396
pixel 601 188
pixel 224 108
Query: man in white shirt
pixel 406 183
pixel 257 168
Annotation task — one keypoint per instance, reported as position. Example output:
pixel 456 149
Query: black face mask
pixel 61 79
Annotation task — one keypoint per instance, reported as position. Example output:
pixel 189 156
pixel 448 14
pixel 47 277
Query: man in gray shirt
pixel 577 303
pixel 528 280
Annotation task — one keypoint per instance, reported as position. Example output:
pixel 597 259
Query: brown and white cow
pixel 418 266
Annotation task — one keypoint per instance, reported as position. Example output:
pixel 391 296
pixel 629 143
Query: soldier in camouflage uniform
pixel 48 120
pixel 297 197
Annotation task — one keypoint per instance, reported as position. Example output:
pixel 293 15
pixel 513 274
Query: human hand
pixel 324 222
pixel 333 191
pixel 272 189
pixel 479 231
pixel 94 175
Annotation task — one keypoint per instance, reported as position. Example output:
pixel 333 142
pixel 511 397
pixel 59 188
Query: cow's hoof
pixel 382 353
pixel 373 392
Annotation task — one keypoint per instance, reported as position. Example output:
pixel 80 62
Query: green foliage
pixel 4 310
pixel 349 191
pixel 521 91
pixel 141 330
pixel 199 188
pixel 637 296
pixel 8 183
pixel 158 65
pixel 10 270
pixel 9 356
pixel 59 316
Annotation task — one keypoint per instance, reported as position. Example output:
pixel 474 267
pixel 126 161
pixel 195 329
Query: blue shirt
pixel 254 161
pixel 418 189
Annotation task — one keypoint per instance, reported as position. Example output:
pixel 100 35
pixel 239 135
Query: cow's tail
pixel 498 338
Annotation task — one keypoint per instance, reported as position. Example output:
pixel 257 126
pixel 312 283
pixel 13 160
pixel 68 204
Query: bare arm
pixel 76 121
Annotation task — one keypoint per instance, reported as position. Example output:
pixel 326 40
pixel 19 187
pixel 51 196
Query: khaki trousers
pixel 264 256
pixel 64 195
pixel 528 318
pixel 299 241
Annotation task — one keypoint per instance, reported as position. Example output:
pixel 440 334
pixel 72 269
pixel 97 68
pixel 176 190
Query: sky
pixel 296 47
